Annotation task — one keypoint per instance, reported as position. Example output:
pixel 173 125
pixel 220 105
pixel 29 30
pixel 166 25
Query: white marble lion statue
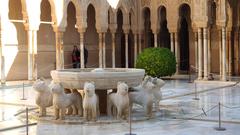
pixel 62 101
pixel 143 95
pixel 44 96
pixel 119 101
pixel 157 94
pixel 90 102
pixel 156 91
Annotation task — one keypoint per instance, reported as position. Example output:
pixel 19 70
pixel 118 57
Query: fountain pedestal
pixel 104 79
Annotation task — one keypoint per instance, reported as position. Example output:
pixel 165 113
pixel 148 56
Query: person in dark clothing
pixel 76 57
pixel 85 56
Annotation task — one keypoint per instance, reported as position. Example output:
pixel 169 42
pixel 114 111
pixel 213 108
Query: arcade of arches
pixel 37 37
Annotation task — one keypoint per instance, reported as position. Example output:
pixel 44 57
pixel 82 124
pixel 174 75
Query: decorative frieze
pixel 145 2
pixel 185 1
pixel 162 2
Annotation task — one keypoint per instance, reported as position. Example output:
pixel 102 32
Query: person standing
pixel 76 57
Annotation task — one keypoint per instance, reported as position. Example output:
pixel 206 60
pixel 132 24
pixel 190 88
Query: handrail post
pixel 219 128
pixel 23 93
pixel 195 92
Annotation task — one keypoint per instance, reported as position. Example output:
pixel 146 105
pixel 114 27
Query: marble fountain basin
pixel 104 79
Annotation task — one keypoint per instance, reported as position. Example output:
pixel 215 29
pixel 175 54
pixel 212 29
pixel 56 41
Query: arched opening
pixel 120 41
pixel 15 37
pixel 71 36
pixel 184 36
pixel 148 35
pixel 164 35
pixel 91 38
pixel 46 40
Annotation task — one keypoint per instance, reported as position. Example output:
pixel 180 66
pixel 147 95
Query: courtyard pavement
pixel 180 114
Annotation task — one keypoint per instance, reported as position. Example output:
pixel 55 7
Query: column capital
pixel 173 30
pixel 126 28
pixel 101 30
pixel 113 26
pixel 30 27
pixel 113 31
pixel 58 29
pixel 81 30
pixel 155 31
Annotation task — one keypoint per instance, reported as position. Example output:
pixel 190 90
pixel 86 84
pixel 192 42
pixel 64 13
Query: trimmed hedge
pixel 157 62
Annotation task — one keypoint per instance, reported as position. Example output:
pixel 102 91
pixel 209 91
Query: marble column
pixel 82 50
pixel 236 53
pixel 2 58
pixel 59 50
pixel 199 53
pixel 230 55
pixel 205 50
pixel 113 51
pixel 140 43
pixel 177 52
pixel 32 54
pixel 155 40
pixel 172 42
pixel 196 51
pixel 209 51
pixel 100 50
pixel 35 55
pixel 220 53
pixel 135 48
pixel 104 50
pixel 126 50
pixel 227 52
pixel 224 78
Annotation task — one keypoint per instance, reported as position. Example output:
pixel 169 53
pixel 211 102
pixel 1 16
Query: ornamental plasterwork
pixel 145 2
pixel 185 1
pixel 162 2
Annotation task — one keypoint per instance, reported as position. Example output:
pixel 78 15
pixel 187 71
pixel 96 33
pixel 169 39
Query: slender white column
pixel 236 51
pixel 220 53
pixel 140 43
pixel 155 40
pixel 224 53
pixel 227 53
pixel 209 51
pixel 230 55
pixel 104 51
pixel 3 76
pixel 172 42
pixel 100 50
pixel 135 48
pixel 2 60
pixel 199 53
pixel 82 49
pixel 30 55
pixel 196 51
pixel 126 50
pixel 205 47
pixel 177 53
pixel 59 50
pixel 113 50
pixel 35 55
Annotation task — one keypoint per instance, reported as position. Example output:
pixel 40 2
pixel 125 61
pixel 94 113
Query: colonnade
pixel 201 42
pixel 203 53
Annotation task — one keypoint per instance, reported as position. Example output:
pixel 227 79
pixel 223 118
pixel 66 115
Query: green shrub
pixel 157 62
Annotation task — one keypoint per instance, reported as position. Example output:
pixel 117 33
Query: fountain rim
pixel 119 71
